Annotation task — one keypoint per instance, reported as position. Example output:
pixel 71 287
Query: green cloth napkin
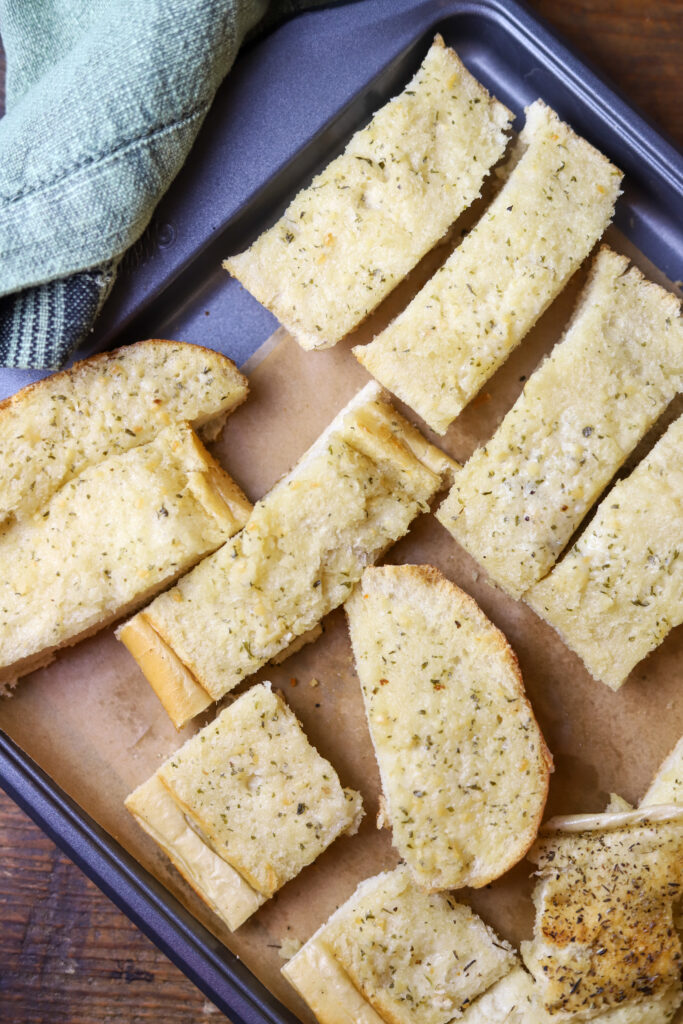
pixel 104 100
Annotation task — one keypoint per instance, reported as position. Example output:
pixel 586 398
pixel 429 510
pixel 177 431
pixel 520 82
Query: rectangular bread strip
pixel 348 239
pixel 221 887
pixel 259 794
pixel 107 541
pixel 306 544
pixel 619 590
pixel 476 309
pixel 518 500
pixel 51 431
pixel 438 954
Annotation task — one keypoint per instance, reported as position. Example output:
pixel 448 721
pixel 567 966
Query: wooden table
pixel 67 956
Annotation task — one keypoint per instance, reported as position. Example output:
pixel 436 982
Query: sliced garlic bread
pixel 107 541
pixel 463 763
pixel 394 953
pixel 345 242
pixel 604 939
pixel 518 500
pixel 306 544
pixel 619 590
pixel 259 801
pixel 52 430
pixel 476 309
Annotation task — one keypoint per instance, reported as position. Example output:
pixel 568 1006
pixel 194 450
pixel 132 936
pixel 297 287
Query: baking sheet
pixel 91 721
pixel 94 725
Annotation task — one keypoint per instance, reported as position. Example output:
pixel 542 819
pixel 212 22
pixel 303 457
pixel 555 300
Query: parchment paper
pixel 93 723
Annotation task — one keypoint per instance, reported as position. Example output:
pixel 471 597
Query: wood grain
pixel 67 955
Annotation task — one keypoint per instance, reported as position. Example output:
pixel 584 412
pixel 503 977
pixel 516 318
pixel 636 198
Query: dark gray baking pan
pixel 287 108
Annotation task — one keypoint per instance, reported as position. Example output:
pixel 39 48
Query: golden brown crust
pixel 175 686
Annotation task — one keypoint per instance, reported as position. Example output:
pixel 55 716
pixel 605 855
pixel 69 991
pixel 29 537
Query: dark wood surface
pixel 67 956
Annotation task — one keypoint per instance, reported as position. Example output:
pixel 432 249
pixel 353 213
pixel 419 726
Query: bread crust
pixel 464 786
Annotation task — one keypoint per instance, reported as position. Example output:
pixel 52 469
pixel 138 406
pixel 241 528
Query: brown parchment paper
pixel 93 723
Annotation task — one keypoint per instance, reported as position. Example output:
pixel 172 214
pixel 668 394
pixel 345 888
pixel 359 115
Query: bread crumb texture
pixel 304 547
pixel 619 591
pixel 369 217
pixel 464 766
pixel 413 956
pixel 475 310
pixel 518 500
pixel 51 431
pixel 604 936
pixel 260 795
pixel 108 539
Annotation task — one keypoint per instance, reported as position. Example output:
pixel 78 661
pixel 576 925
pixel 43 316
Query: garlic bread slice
pixel 366 220
pixel 476 309
pixel 463 764
pixel 604 938
pixel 107 541
pixel 260 803
pixel 520 497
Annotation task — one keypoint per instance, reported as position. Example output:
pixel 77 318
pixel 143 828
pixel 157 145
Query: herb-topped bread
pixel 394 953
pixel 619 591
pixel 463 763
pixel 107 541
pixel 475 310
pixel 51 431
pixel 519 498
pixel 245 804
pixel 604 938
pixel 354 493
pixel 348 239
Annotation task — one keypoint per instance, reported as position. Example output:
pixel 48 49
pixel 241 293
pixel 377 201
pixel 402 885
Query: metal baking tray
pixel 278 118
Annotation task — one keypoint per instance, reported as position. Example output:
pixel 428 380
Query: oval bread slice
pixel 51 431
pixel 463 763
